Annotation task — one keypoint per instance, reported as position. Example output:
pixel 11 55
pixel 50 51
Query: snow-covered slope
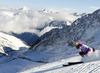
pixel 58 41
pixel 55 47
pixel 11 41
pixel 12 46
pixel 56 67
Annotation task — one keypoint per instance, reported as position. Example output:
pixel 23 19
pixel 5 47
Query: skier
pixel 84 48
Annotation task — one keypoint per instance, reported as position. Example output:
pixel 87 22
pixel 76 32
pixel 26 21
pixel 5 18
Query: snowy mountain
pixel 54 39
pixel 12 46
pixel 55 47
pixel 85 29
pixel 36 22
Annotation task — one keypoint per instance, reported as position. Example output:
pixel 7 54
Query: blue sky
pixel 83 5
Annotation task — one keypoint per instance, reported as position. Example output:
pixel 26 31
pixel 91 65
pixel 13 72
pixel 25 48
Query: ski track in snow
pixel 55 67
pixel 81 68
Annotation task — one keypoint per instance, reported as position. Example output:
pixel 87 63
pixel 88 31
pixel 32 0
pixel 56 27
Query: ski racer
pixel 84 48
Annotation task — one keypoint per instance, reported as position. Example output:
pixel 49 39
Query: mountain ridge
pixel 78 31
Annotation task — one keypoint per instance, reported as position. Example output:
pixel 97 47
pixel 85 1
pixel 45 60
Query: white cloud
pixel 23 19
pixel 94 7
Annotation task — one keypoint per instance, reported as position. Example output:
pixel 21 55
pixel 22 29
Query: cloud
pixel 23 19
pixel 94 7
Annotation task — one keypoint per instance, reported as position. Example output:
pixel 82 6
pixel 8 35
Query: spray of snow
pixel 94 56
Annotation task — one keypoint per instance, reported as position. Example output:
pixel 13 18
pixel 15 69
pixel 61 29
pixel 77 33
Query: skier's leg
pixel 82 54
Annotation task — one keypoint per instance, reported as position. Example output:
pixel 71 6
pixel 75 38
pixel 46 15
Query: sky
pixel 82 5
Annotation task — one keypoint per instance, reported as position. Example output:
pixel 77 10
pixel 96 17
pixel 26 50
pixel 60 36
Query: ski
pixel 72 63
